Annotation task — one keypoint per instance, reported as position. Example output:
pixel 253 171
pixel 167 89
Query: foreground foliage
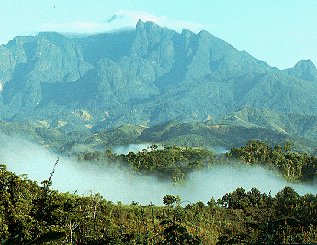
pixel 33 214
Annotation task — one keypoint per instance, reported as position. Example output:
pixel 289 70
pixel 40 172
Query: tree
pixel 170 200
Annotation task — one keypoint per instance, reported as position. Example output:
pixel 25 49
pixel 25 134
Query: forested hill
pixel 148 75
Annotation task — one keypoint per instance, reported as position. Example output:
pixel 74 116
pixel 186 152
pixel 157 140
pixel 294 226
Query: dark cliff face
pixel 147 75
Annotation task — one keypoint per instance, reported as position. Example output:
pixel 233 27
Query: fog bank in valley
pixel 115 184
pixel 130 148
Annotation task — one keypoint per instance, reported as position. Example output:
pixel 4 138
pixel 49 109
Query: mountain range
pixel 147 76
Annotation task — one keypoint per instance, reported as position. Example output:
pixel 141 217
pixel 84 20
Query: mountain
pixel 304 69
pixel 294 125
pixel 145 76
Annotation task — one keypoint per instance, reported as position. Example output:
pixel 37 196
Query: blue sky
pixel 280 32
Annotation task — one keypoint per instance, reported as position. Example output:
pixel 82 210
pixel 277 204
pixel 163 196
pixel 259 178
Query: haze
pixel 23 157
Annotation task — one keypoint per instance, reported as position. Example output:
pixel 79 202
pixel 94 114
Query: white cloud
pixel 178 25
pixel 134 16
pixel 120 19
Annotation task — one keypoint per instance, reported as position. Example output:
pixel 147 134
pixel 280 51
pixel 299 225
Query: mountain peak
pixel 139 24
pixel 148 26
pixel 305 64
pixel 304 69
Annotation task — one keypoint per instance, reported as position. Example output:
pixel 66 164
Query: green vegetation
pixel 293 165
pixel 169 163
pixel 234 131
pixel 32 214
pixel 176 162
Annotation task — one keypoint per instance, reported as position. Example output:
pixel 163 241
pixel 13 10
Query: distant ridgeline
pixel 235 130
pixel 146 76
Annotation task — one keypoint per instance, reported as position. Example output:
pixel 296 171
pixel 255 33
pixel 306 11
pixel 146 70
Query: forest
pixel 293 165
pixel 34 213
pixel 170 162
pixel 175 163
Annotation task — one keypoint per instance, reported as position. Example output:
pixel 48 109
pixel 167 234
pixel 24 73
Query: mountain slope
pixel 294 125
pixel 149 75
pixel 304 69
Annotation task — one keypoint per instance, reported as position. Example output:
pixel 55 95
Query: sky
pixel 280 32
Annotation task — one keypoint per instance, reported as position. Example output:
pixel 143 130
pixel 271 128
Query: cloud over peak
pixel 120 19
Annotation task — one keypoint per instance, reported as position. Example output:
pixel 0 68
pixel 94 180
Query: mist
pixel 134 148
pixel 114 184
pixel 130 148
pixel 219 150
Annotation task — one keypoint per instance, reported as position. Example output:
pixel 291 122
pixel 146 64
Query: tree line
pixel 170 162
pixel 293 165
pixel 174 162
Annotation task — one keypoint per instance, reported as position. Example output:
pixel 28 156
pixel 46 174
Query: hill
pixel 231 131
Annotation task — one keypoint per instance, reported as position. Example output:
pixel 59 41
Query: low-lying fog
pixel 113 184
